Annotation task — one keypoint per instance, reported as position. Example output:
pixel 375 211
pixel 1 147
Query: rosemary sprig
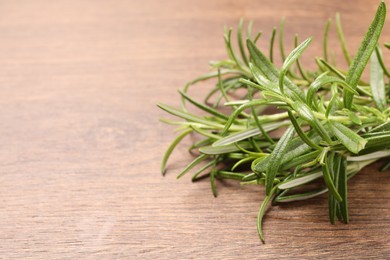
pixel 334 123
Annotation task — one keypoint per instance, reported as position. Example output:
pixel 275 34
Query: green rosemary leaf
pixel 329 182
pixel 378 142
pixel 365 50
pixel 221 88
pixel 175 142
pixel 258 124
pixel 295 54
pixel 300 67
pixel 334 205
pixel 291 58
pixel 236 102
pixel 265 84
pixel 240 43
pixel 354 118
pixel 352 141
pixel 214 74
pixel 301 196
pixel 203 107
pixel 242 161
pixel 387 45
pixel 300 159
pixel 381 134
pixel 281 39
pixel 251 177
pixel 276 157
pixel 257 37
pixel 213 172
pixel 379 55
pixel 205 133
pixel 325 41
pixel 320 65
pixel 271 45
pixel 297 154
pixel 333 103
pixel 298 181
pixel 300 132
pixel 231 53
pixel 306 114
pixel 245 134
pixel 215 150
pixel 339 73
pixel 342 187
pixel 249 30
pixel 382 128
pixel 270 72
pixel 297 146
pixel 323 80
pixel 342 39
pixel 230 175
pixel 195 162
pixel 202 169
pixel 377 82
pixel 187 116
pixel 239 110
pixel 370 156
pixel 262 210
pixel 200 143
pixel 331 68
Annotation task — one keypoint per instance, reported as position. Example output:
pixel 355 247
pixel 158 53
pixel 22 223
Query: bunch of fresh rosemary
pixel 334 123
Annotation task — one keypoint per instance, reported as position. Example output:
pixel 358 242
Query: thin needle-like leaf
pixel 329 182
pixel 271 45
pixel 213 172
pixel 187 116
pixel 275 158
pixel 300 67
pixel 205 167
pixel 215 150
pixel 379 55
pixel 240 42
pixel 342 188
pixel 300 132
pixel 262 210
pixel 377 82
pixel 281 39
pixel 258 124
pixel 171 148
pixel 352 141
pixel 291 58
pixel 195 162
pixel 250 132
pixel 301 196
pixel 364 53
pixel 295 182
pixel 325 42
pixel 342 39
pixel 270 72
pixel 230 175
pixel 203 107
pixel 306 114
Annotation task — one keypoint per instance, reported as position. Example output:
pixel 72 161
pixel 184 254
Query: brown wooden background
pixel 80 141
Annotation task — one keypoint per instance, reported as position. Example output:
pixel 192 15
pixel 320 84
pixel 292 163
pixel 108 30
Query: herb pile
pixel 333 123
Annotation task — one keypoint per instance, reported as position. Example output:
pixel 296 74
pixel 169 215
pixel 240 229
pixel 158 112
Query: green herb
pixel 333 123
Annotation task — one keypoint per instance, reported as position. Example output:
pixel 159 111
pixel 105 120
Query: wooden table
pixel 81 145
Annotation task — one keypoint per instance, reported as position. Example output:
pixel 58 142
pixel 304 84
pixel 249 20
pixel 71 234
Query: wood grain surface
pixel 81 144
